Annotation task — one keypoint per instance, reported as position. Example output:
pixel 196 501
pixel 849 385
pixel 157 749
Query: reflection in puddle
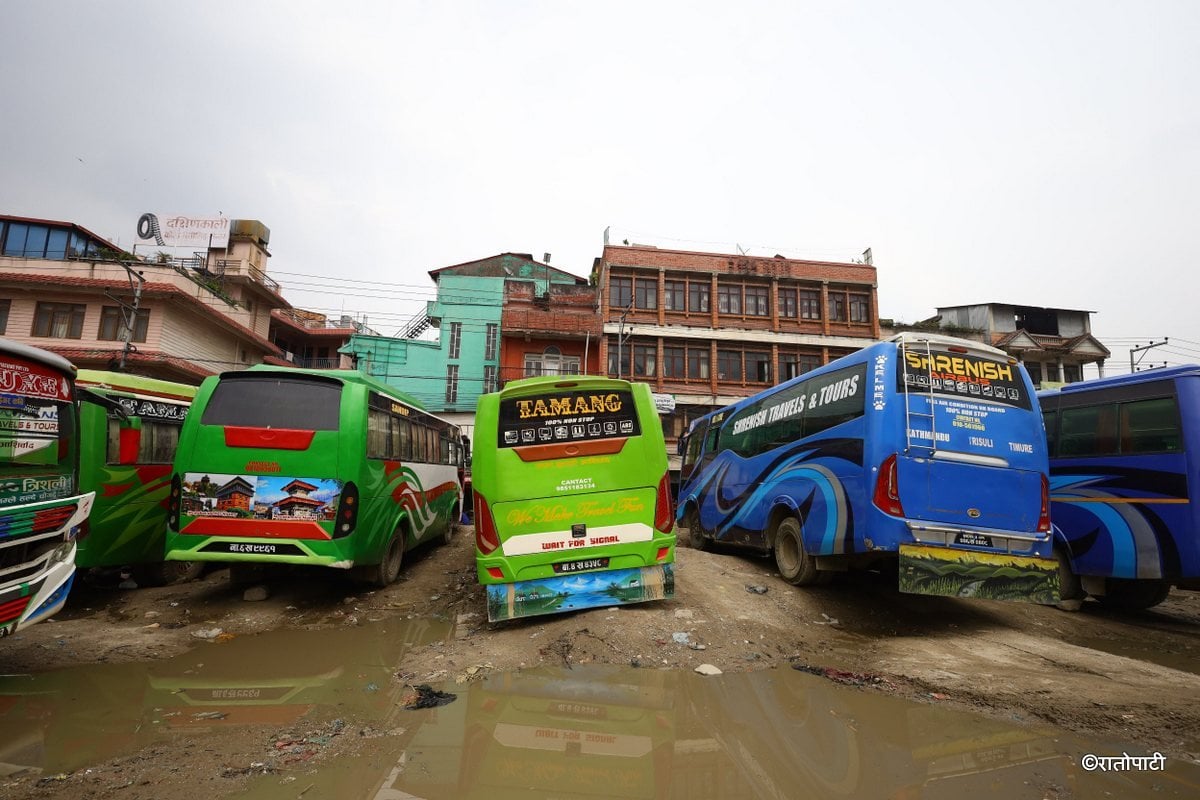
pixel 585 732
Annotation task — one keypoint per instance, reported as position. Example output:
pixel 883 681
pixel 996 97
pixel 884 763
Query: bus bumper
pixel 952 572
pixel 578 591
pixel 27 603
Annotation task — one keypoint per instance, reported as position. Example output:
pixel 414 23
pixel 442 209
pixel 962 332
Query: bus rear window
pixel 569 416
pixel 263 401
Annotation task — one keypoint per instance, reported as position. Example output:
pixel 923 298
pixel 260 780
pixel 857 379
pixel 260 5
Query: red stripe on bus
pixel 545 452
pixel 271 438
pixel 255 528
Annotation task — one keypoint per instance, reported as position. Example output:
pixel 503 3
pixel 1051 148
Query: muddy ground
pixel 1132 677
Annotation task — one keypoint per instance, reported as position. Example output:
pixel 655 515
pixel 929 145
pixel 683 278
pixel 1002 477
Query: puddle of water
pixel 585 732
pixel 64 720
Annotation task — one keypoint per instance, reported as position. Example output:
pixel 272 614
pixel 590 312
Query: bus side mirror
pixel 130 441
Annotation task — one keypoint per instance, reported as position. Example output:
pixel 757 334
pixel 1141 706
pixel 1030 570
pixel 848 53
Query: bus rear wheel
pixel 1070 588
pixel 795 564
pixel 1132 595
pixel 169 573
pixel 696 537
pixel 386 571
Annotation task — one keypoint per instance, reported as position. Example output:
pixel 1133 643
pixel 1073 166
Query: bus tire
pixel 1070 588
pixel 387 571
pixel 696 537
pixel 795 564
pixel 1133 595
pixel 451 526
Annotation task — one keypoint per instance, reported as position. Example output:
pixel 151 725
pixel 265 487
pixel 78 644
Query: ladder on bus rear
pixel 909 391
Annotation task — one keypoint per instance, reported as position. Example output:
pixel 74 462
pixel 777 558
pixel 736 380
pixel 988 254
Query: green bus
pixel 572 496
pixel 306 466
pixel 129 430
pixel 41 506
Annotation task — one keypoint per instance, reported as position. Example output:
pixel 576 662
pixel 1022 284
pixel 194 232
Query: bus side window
pixel 159 441
pixel 1050 420
pixel 1150 426
pixel 1088 431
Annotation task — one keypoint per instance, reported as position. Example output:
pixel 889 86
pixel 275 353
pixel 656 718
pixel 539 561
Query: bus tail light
pixel 486 539
pixel 347 511
pixel 174 502
pixel 662 553
pixel 1044 514
pixel 887 488
pixel 496 573
pixel 664 510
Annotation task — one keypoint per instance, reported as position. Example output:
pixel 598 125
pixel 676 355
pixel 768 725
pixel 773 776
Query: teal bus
pixel 129 430
pixel 41 506
pixel 305 466
pixel 572 496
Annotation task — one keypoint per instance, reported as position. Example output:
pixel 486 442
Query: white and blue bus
pixel 1124 471
pixel 925 449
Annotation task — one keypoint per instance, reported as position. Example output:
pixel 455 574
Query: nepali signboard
pixel 181 230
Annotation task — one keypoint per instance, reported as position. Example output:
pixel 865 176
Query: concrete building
pixel 1054 344
pixel 450 373
pixel 710 328
pixel 312 340
pixel 67 290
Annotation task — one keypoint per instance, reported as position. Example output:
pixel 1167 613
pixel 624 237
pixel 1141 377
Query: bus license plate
pixel 973 539
pixel 564 567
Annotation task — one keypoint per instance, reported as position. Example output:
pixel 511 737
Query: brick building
pixel 710 328
pixel 551 332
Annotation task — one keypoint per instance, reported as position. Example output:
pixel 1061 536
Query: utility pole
pixel 129 313
pixel 1132 350
pixel 621 337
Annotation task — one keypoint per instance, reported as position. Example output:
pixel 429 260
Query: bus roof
pixel 345 376
pixel 100 380
pixel 19 350
pixel 1146 376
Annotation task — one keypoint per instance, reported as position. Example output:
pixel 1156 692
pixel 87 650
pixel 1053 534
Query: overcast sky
pixel 1040 153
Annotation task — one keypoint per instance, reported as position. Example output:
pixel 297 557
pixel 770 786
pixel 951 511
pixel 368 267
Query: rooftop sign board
pixel 181 230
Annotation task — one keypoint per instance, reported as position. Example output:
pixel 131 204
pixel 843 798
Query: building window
pixel 452 383
pixel 1072 373
pixel 729 365
pixel 860 308
pixel 455 339
pixel 5 306
pixel 729 299
pixel 837 308
pixel 787 303
pixel 758 301
pixel 112 325
pixel 758 367
pixel 618 361
pixel 697 363
pixel 792 365
pixel 59 320
pixel 489 378
pixel 698 296
pixel 674 295
pixel 675 362
pixel 620 292
pixel 645 360
pixel 493 331
pixel 551 361
pixel 645 291
pixel 810 304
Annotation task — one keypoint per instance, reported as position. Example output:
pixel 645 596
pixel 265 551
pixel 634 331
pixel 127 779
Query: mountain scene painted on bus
pixel 580 591
pixel 982 576
pixel 208 494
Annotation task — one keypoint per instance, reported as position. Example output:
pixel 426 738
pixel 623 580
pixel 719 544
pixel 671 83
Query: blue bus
pixel 1124 467
pixel 924 450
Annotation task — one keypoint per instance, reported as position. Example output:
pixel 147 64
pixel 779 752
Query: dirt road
pixel 1097 673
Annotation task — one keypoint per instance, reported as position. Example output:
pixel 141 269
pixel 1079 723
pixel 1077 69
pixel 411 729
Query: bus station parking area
pixel 1127 678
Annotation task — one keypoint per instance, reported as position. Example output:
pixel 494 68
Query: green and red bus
pixel 41 506
pixel 303 466
pixel 572 496
pixel 129 430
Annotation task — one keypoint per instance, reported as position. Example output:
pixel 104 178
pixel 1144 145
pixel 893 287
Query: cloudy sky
pixel 1041 153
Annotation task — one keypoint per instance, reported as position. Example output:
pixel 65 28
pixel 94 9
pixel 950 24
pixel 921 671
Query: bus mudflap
pixel 949 572
pixel 579 591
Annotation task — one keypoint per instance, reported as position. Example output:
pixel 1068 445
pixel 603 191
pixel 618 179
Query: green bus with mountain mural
pixel 322 467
